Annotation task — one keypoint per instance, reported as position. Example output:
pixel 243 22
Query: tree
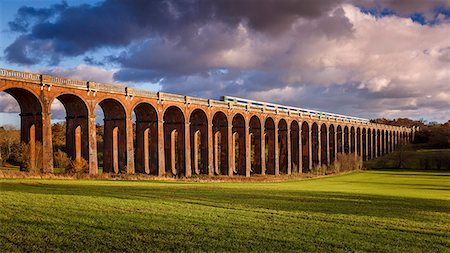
pixel 9 141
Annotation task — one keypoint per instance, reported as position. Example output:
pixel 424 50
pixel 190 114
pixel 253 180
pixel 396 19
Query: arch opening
pixel 70 132
pixel 31 127
pixel 199 142
pixel 220 132
pixel 378 142
pixel 282 146
pixel 255 145
pixel 315 144
pixel 112 151
pixel 358 141
pixel 146 139
pixel 269 130
pixel 323 144
pixel 340 139
pixel 332 143
pixel 295 131
pixel 238 129
pixel 352 148
pixel 364 144
pixel 374 143
pixel 346 140
pixel 174 142
pixel 305 147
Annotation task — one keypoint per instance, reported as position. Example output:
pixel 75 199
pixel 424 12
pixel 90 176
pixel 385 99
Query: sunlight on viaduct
pixel 182 135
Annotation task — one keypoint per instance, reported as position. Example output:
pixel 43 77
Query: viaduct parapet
pixel 182 136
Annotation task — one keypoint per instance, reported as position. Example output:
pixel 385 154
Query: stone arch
pixel 220 150
pixel 77 123
pixel 114 136
pixel 305 146
pixel 369 144
pixel 255 145
pixel 388 141
pixel 269 130
pixel 346 140
pixel 199 141
pixel 364 144
pixel 315 144
pixel 378 142
pixel 332 141
pixel 239 144
pixel 374 143
pixel 282 146
pixel 358 141
pixel 352 143
pixel 340 139
pixel 295 137
pixel 146 142
pixel 31 128
pixel 391 141
pixel 174 142
pixel 323 144
pixel 394 140
pixel 387 135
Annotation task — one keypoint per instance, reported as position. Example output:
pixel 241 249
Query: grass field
pixel 413 158
pixel 376 211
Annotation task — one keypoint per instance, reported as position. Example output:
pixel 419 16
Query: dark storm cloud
pixel 322 54
pixel 16 52
pixel 75 30
pixel 66 31
pixel 28 15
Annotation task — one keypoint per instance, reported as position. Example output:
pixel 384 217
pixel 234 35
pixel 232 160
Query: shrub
pixel 24 157
pixel 346 162
pixel 320 170
pixel 78 166
pixel 60 159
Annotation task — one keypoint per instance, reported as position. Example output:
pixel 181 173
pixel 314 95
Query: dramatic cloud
pixel 8 104
pixel 367 58
pixel 83 72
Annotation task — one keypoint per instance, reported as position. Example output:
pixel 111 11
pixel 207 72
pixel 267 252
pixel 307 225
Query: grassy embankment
pixel 382 211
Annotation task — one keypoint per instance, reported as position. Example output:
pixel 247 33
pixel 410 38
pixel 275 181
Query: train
pixel 259 104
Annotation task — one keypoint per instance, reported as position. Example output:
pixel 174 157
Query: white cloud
pixel 344 61
pixel 83 72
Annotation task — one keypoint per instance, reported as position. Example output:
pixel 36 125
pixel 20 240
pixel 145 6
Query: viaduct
pixel 180 135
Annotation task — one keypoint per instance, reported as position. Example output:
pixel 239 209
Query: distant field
pixel 427 159
pixel 376 211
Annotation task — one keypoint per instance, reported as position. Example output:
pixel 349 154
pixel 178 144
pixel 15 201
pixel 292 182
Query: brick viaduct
pixel 182 135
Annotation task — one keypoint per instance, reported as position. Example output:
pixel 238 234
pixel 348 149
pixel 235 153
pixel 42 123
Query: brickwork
pixel 183 135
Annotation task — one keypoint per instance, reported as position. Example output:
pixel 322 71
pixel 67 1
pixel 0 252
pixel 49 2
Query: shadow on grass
pixel 118 216
pixel 259 200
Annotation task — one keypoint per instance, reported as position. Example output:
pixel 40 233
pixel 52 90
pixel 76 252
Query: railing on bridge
pixel 141 93
pixel 18 75
pixel 219 104
pixel 290 109
pixel 197 101
pixel 171 97
pixel 110 88
pixel 53 80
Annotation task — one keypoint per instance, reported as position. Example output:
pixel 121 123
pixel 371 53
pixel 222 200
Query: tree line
pixel 431 135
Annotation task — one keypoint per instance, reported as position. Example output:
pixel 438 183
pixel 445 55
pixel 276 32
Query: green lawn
pixel 376 211
pixel 427 159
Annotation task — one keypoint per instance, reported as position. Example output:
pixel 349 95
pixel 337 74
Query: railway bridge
pixel 162 134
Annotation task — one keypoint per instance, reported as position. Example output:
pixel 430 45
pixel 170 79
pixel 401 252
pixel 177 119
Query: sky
pixel 366 58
